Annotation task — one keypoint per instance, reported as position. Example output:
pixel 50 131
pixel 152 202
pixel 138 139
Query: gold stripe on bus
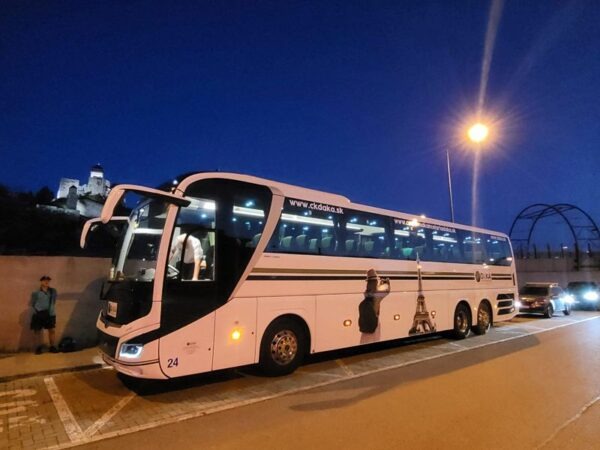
pixel 329 271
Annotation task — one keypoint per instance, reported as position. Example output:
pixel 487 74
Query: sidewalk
pixel 21 365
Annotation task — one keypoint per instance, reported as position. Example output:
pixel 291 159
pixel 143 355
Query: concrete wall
pixel 556 270
pixel 78 282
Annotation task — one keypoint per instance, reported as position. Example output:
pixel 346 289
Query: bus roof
pixel 302 193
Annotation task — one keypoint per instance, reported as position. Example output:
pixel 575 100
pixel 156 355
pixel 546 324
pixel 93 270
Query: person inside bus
pixel 192 261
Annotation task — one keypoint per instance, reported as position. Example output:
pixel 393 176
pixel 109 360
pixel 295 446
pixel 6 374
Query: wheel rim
pixel 462 321
pixel 284 347
pixel 483 317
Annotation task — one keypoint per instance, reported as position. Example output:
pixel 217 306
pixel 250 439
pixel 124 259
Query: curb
pixel 52 372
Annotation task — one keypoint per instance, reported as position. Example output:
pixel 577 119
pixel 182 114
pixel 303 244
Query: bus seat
pixel 349 245
pixel 326 244
pixel 407 252
pixel 254 242
pixel 313 245
pixel 419 251
pixel 368 247
pixel 286 243
pixel 300 243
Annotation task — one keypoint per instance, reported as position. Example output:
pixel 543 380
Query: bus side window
pixel 366 235
pixel 305 231
pixel 498 251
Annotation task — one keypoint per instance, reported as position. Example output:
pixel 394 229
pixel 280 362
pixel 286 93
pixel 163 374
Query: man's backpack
pixel 67 344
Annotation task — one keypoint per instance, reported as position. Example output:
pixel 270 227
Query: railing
pixel 588 257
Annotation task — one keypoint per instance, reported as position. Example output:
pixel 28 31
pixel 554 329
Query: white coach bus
pixel 223 270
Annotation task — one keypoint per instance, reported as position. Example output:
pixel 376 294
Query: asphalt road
pixel 532 383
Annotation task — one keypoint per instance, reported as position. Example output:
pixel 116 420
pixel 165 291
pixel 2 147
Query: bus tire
pixel 282 348
pixel 484 319
pixel 462 322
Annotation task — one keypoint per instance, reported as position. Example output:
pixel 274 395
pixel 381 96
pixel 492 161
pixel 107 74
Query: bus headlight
pixel 591 296
pixel 131 351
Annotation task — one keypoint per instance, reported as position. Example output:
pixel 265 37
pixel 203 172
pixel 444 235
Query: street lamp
pixel 477 134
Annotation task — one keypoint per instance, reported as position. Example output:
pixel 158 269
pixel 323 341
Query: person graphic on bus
pixel 368 309
pixel 192 256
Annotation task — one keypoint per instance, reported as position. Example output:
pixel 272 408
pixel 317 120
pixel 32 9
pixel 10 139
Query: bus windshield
pixel 139 242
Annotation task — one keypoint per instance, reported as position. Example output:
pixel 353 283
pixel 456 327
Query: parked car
pixel 586 294
pixel 544 298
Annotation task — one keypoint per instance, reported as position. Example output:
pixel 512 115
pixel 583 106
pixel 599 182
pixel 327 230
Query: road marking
pixel 205 409
pixel 454 344
pixel 17 406
pixel 93 429
pixel 64 413
pixel 344 367
pixel 587 406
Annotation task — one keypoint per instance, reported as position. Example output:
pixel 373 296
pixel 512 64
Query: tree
pixel 44 196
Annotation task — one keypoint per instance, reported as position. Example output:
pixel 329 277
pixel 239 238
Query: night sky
pixel 357 98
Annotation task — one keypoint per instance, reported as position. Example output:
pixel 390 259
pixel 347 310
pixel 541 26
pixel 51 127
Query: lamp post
pixel 477 133
pixel 450 185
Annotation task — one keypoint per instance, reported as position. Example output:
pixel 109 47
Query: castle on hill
pixel 83 199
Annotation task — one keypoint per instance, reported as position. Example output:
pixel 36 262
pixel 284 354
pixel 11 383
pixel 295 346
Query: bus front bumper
pixel 141 369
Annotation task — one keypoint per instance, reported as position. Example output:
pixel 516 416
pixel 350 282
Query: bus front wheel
pixel 462 322
pixel 282 348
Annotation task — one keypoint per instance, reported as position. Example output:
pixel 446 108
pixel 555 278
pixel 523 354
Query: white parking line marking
pixel 570 421
pixel 454 344
pixel 64 413
pixel 237 404
pixel 344 367
pixel 93 429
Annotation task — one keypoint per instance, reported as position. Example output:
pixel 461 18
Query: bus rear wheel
pixel 462 322
pixel 484 319
pixel 282 348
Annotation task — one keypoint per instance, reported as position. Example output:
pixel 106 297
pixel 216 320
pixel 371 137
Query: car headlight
pixel 518 304
pixel 591 296
pixel 568 298
pixel 131 351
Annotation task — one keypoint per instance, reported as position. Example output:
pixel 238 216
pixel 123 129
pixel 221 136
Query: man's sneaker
pixel 53 349
pixel 38 350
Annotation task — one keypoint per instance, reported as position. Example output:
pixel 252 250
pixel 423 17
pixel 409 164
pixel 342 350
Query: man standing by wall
pixel 44 316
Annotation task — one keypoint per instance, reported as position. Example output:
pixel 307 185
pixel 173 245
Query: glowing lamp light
pixel 478 133
pixel 236 335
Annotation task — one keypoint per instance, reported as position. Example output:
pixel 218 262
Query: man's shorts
pixel 42 319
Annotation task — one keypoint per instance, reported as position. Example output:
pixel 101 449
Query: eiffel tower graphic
pixel 422 322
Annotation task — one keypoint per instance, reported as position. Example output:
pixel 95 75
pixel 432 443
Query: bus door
pixel 211 244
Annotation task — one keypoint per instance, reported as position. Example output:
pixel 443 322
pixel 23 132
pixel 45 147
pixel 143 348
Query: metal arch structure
pixel 583 228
